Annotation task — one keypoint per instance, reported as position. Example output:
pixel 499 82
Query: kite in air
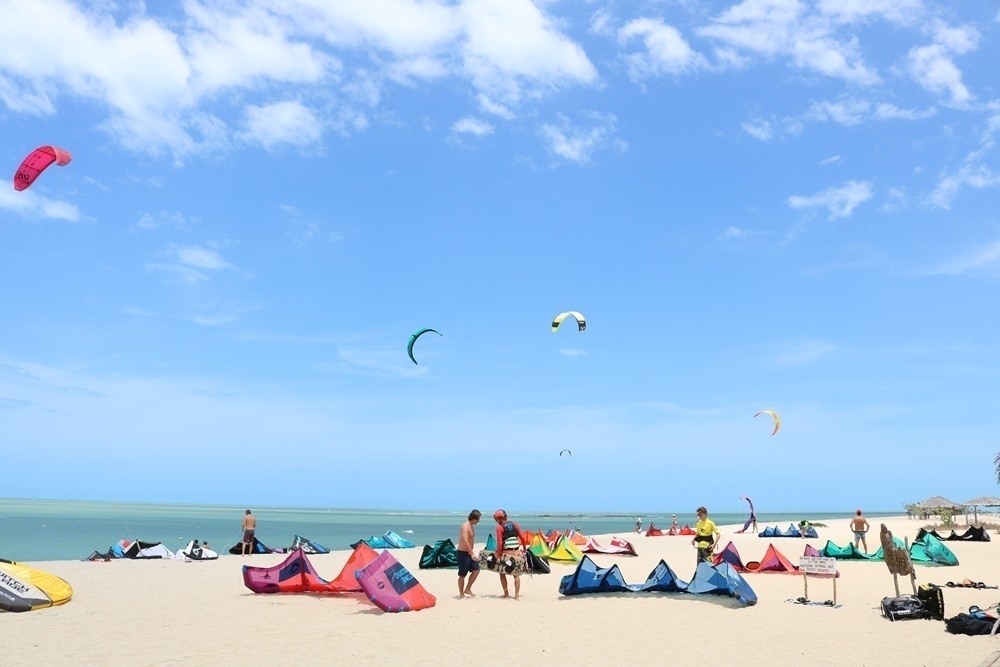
pixel 580 321
pixel 777 419
pixel 565 451
pixel 413 339
pixel 37 162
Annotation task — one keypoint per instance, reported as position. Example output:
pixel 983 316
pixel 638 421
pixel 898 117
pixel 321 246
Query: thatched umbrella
pixel 983 501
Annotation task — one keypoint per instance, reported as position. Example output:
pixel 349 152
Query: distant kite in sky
pixel 777 419
pixel 413 339
pixel 37 162
pixel 566 451
pixel 581 322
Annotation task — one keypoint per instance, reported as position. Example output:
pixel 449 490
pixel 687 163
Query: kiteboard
pixel 509 563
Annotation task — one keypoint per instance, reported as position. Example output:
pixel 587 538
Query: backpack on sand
pixel 903 607
pixel 933 599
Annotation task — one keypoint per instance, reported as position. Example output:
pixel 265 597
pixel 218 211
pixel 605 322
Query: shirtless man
pixel 859 525
pixel 249 525
pixel 466 561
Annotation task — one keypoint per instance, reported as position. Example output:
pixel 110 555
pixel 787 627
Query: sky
pixel 782 205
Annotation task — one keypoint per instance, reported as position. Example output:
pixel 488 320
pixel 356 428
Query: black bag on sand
pixel 933 598
pixel 963 624
pixel 903 607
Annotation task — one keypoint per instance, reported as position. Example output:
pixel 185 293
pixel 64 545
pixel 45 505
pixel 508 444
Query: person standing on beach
pixel 466 562
pixel 638 525
pixel 248 528
pixel 674 530
pixel 859 524
pixel 707 536
pixel 508 536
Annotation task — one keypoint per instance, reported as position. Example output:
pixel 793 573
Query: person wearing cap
pixel 706 537
pixel 859 524
pixel 508 536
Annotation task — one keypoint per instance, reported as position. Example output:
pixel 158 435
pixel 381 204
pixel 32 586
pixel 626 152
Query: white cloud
pixel 833 159
pixel 30 204
pixel 182 274
pixel 511 44
pixel 156 79
pixel 576 143
pixel 246 44
pixel 840 201
pixel 982 260
pixel 850 11
pixel 886 111
pixel 572 352
pixel 759 129
pixel 493 108
pixel 200 258
pixel 288 122
pixel 805 352
pixel 174 219
pixel 470 125
pixel 895 200
pixel 739 233
pixel 850 112
pixel 773 28
pixel 933 67
pixel 846 112
pixel 977 176
pixel 666 50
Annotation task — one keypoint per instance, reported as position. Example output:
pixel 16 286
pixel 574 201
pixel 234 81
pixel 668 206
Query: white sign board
pixel 818 565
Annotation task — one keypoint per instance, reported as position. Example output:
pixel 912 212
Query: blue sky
pixel 772 204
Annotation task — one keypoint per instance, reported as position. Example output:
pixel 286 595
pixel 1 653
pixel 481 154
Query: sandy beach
pixel 176 612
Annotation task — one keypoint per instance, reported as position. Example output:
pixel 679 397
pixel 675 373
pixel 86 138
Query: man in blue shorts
pixel 466 561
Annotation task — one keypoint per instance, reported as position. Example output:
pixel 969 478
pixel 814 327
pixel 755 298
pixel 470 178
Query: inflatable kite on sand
pixel 391 586
pixel 297 575
pixel 24 588
pixel 774 415
pixel 581 322
pixel 38 161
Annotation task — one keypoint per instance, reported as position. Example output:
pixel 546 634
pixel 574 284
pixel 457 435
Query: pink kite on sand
pixel 391 586
pixel 37 162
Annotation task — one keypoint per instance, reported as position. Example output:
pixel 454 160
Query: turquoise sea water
pixel 32 530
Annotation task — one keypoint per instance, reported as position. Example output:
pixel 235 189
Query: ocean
pixel 37 530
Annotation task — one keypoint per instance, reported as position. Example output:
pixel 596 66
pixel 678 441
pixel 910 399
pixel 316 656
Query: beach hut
pixel 934 502
pixel 982 501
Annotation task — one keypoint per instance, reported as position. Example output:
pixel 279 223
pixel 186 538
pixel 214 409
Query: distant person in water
pixel 707 536
pixel 859 524
pixel 249 526
pixel 508 536
pixel 466 562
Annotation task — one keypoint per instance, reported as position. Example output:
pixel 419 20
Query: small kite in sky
pixel 777 419
pixel 580 321
pixel 38 161
pixel 413 339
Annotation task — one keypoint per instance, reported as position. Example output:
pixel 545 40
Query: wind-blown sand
pixel 175 612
